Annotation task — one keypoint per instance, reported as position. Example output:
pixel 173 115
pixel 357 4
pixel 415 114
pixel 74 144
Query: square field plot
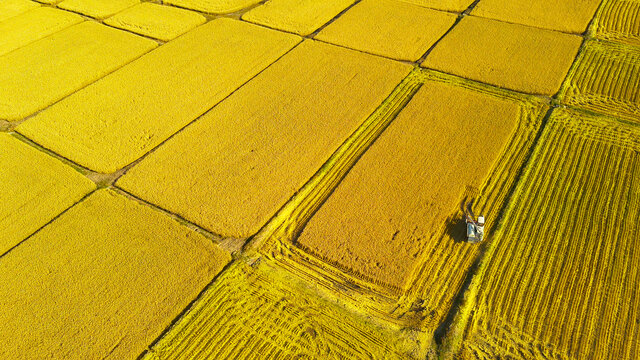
pixel 11 8
pixel 389 28
pixel 512 56
pixel 300 17
pixel 391 234
pixel 45 71
pixel 35 189
pixel 618 20
pixel 566 259
pixel 237 165
pixel 156 21
pixel 605 79
pixel 102 281
pixel 118 119
pixel 261 312
pixel 213 6
pixel 32 25
pixel 446 5
pixel 98 9
pixel 562 15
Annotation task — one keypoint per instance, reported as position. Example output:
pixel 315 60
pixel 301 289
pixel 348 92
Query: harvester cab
pixel 475 228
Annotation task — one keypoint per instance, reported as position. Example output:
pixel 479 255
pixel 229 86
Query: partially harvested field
pixel 618 20
pixel 408 267
pixel 560 280
pixel 258 312
pixel 605 78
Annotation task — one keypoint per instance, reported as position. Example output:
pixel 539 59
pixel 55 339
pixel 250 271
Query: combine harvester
pixel 475 229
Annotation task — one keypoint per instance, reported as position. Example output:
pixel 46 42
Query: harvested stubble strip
pixel 404 189
pixel 566 259
pixel 102 281
pixel 11 8
pixel 32 25
pixel 51 68
pixel 299 17
pixel 259 312
pixel 98 9
pixel 618 20
pixel 605 79
pixel 236 166
pixel 561 15
pixel 118 119
pixel 35 188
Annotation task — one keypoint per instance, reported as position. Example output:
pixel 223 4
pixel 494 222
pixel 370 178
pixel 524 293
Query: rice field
pixel 605 78
pixel 560 280
pixel 290 179
pixel 431 279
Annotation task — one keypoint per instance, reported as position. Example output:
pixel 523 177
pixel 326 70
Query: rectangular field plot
pixel 11 8
pixel 299 17
pixel 254 312
pixel 560 280
pixel 393 227
pixel 512 56
pixel 618 20
pixel 116 120
pixel 213 6
pixel 560 15
pixel 45 71
pixel 606 79
pixel 234 168
pixel 32 25
pixel 447 5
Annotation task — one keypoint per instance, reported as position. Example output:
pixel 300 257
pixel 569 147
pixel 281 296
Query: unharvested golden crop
pixel 11 8
pixel 32 25
pixel 262 156
pixel 102 281
pixel 114 121
pixel 98 9
pixel 389 28
pixel 45 71
pixel 299 17
pixel 156 21
pixel 213 6
pixel 507 55
pixel 561 277
pixel 447 5
pixel 35 189
pixel 565 16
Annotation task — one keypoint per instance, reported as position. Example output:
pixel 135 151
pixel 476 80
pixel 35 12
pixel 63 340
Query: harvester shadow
pixel 456 229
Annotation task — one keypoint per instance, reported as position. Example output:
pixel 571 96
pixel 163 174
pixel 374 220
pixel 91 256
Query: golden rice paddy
pixel 560 279
pixel 289 179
